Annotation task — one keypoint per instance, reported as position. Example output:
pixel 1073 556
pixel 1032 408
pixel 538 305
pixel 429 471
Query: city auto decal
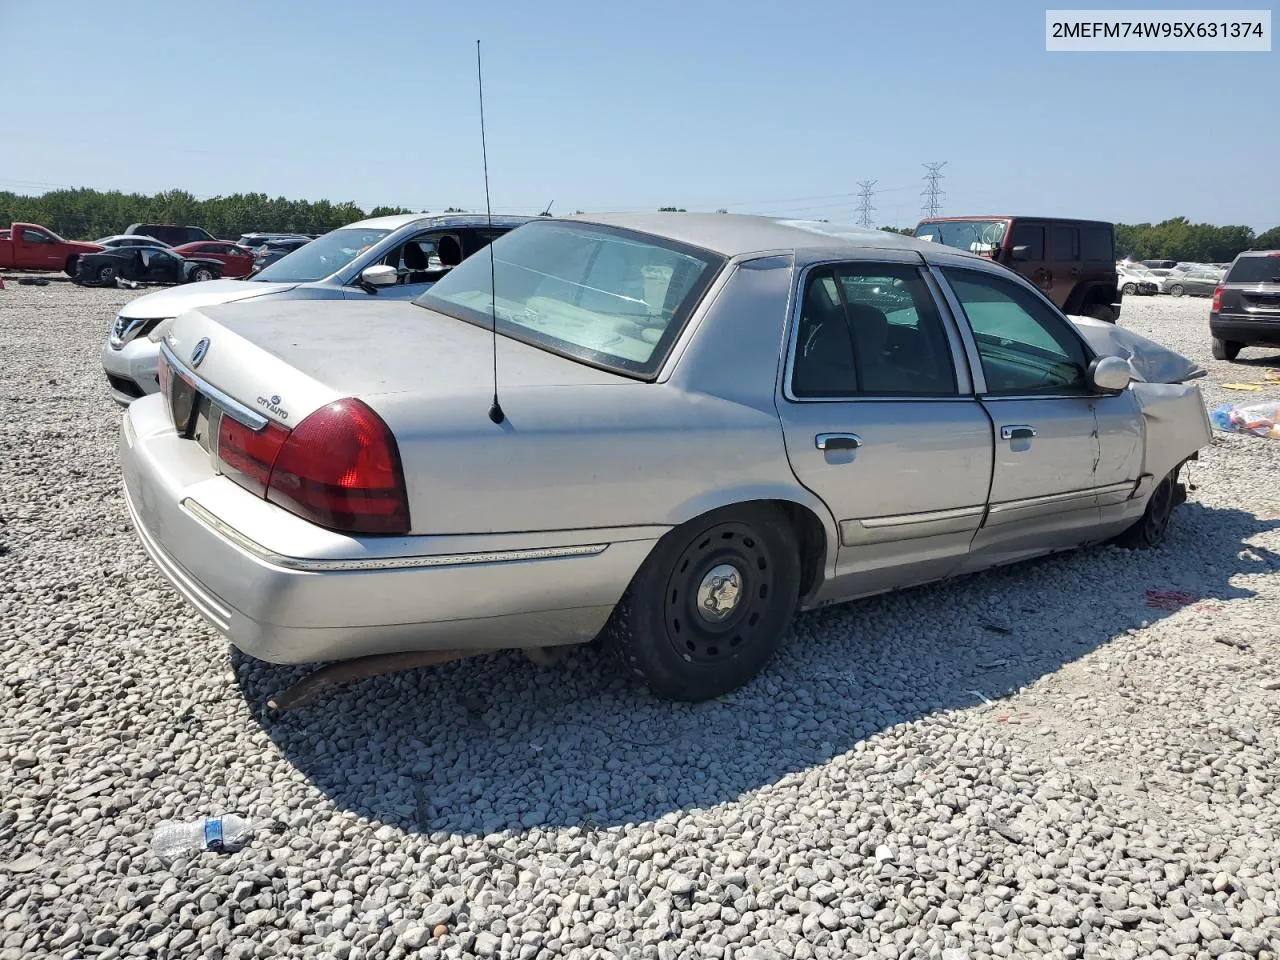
pixel 272 404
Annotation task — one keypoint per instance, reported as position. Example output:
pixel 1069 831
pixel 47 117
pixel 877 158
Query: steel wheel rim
pixel 710 636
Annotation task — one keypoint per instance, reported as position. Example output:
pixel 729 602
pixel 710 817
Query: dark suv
pixel 1072 261
pixel 1246 305
pixel 173 235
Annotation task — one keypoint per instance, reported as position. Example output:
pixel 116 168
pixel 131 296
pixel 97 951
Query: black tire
pixel 72 267
pixel 1226 349
pixel 1177 290
pixel 1129 289
pixel 1150 529
pixel 746 557
pixel 1101 311
pixel 200 274
pixel 106 274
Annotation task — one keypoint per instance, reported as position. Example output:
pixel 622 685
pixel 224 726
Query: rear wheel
pixel 711 604
pixel 1177 290
pixel 1226 349
pixel 106 274
pixel 1149 532
pixel 201 273
pixel 1101 311
pixel 72 266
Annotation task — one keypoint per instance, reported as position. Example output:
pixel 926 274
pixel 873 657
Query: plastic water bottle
pixel 174 838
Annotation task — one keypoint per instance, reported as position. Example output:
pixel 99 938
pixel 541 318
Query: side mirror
pixel 1021 252
pixel 379 275
pixel 1110 374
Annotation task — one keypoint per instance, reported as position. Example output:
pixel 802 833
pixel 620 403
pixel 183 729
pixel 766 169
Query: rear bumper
pixel 132 371
pixel 1245 329
pixel 331 596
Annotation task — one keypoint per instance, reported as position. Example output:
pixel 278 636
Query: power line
pixel 932 192
pixel 865 208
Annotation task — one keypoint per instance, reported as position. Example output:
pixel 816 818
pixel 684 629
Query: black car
pixel 146 265
pixel 1246 305
pixel 270 251
pixel 173 235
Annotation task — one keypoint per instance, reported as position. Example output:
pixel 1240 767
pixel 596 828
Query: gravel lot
pixel 1116 798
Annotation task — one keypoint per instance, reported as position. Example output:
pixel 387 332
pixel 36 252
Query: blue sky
pixel 752 106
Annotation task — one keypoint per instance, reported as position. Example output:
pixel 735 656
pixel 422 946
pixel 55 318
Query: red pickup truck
pixel 26 246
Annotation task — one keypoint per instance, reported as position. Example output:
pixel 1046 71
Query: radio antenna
pixel 495 411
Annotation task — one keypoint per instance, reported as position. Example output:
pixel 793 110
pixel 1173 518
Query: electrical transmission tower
pixel 932 192
pixel 865 209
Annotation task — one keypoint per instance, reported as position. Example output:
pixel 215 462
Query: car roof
pixel 734 234
pixel 1019 216
pixel 396 221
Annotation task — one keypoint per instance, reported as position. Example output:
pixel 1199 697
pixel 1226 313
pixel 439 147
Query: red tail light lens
pixel 340 468
pixel 1217 298
pixel 246 455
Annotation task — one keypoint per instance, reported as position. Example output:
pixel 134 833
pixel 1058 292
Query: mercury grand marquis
pixel 704 423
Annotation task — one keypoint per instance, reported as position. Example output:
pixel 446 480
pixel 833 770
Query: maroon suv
pixel 1072 261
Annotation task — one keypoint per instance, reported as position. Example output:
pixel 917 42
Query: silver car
pixel 702 424
pixel 392 258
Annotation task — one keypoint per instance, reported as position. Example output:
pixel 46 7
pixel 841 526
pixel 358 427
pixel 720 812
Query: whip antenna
pixel 495 411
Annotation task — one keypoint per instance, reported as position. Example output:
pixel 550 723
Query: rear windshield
pixel 608 297
pixel 322 257
pixel 1264 269
pixel 975 236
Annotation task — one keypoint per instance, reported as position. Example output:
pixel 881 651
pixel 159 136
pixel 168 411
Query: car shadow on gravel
pixel 498 743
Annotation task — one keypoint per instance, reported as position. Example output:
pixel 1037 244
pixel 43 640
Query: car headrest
pixel 449 251
pixel 415 258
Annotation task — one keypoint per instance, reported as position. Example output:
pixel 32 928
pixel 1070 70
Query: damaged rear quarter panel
pixel 1176 422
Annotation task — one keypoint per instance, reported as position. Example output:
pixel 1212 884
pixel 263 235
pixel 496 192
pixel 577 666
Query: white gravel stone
pixel 1116 799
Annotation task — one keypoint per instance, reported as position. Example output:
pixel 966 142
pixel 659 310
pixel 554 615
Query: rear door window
pixel 1265 269
pixel 1065 243
pixel 870 329
pixel 1097 243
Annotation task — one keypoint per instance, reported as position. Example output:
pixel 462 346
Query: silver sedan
pixel 668 431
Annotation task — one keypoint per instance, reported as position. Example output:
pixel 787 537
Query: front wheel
pixel 711 604
pixel 1129 289
pixel 1177 290
pixel 1149 532
pixel 106 274
pixel 1102 311
pixel 201 273
pixel 72 267
pixel 1226 349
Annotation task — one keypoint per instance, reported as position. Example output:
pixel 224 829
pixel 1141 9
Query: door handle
pixel 837 441
pixel 1017 431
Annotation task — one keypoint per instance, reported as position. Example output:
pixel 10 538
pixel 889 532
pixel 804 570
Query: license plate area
pixel 182 398
pixel 192 412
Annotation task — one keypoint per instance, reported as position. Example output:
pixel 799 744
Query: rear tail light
pixel 339 468
pixel 246 455
pixel 1217 298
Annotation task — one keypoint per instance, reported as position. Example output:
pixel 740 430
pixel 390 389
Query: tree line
pixel 1180 239
pixel 84 214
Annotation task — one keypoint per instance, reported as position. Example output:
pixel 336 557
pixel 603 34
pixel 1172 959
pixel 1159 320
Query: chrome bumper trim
pixel 238 539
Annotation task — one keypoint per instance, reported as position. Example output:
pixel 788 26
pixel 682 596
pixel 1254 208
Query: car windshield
pixel 975 236
pixel 1264 269
pixel 321 257
pixel 608 297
